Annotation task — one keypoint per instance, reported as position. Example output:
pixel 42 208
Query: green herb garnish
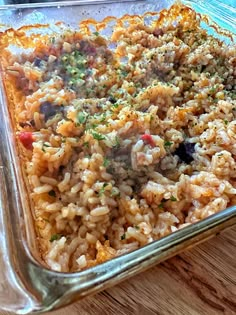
pixel 124 73
pixel 96 33
pixel 161 205
pixel 117 142
pixel 55 237
pixel 172 198
pixel 102 190
pixel 86 144
pixel 52 40
pixel 106 162
pixel 137 227
pixel 168 143
pixel 45 145
pixel 226 121
pixel 98 136
pixel 103 117
pixel 212 90
pixel 82 117
pixel 93 126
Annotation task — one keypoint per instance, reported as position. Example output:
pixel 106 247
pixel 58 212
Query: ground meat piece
pixel 185 152
pixel 37 62
pixel 50 110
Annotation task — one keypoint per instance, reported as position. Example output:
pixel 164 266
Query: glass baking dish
pixel 26 284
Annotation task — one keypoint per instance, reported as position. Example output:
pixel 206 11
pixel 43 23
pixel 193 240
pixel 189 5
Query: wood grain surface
pixel 201 281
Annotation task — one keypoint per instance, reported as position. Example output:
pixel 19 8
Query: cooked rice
pixel 129 144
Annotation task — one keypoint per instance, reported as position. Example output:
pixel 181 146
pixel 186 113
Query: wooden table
pixel 201 281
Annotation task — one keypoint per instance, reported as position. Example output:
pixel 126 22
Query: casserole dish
pixel 33 286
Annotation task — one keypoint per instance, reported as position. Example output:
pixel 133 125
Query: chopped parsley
pixel 115 105
pixel 74 65
pixel 98 136
pixel 172 198
pixel 106 162
pixel 45 145
pixel 168 143
pixel 226 121
pixel 137 227
pixel 86 144
pixel 93 126
pixel 102 190
pixel 96 33
pixel 161 205
pixel 55 237
pixel 103 117
pixel 117 142
pixel 82 117
pixel 123 72
pixel 52 40
pixel 213 90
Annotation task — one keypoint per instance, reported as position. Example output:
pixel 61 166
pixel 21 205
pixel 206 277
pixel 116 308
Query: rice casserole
pixel 123 138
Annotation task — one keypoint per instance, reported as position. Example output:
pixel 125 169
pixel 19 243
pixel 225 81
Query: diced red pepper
pixel 26 138
pixel 147 139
